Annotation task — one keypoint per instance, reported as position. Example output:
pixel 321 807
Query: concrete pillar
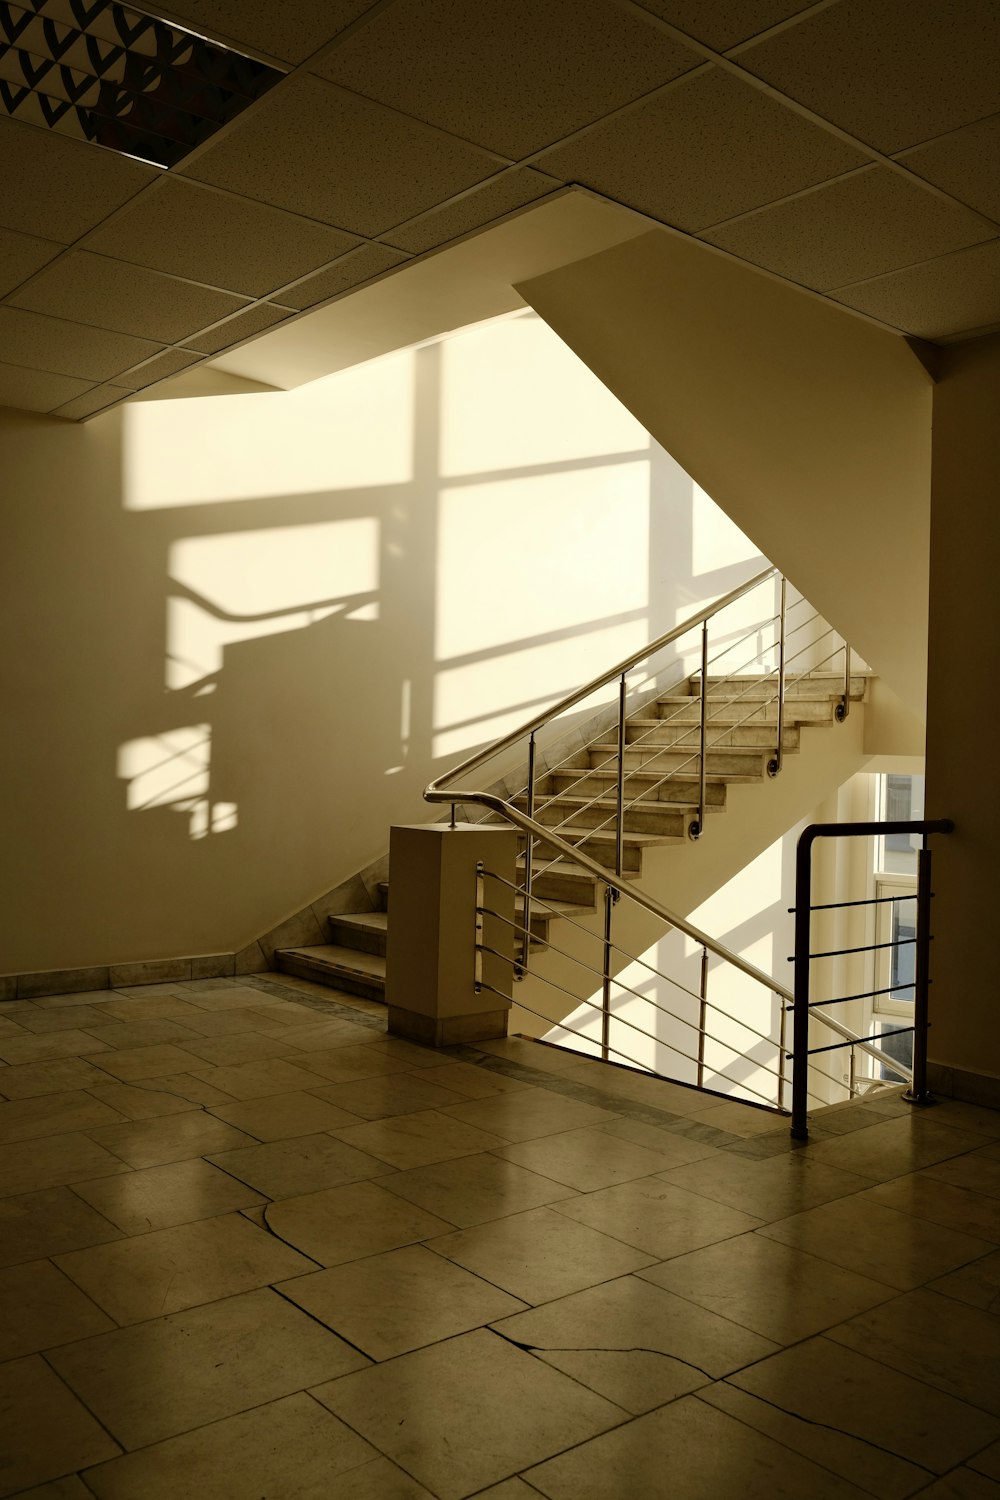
pixel 431 963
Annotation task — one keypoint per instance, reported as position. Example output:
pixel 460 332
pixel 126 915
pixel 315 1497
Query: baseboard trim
pixel 959 1083
pixel 33 986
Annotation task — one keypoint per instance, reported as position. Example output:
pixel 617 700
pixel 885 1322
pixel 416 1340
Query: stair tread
pixel 371 965
pixel 375 920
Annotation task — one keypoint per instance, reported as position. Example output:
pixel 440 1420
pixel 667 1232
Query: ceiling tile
pixel 64 348
pixel 291 32
pixel 709 149
pixel 94 400
pixel 893 74
pixel 479 208
pixel 170 362
pixel 511 75
pixel 230 242
pixel 59 188
pixel 110 294
pixel 361 265
pixel 965 163
pixel 955 294
pixel 20 256
pixel 329 155
pixel 724 23
pixel 36 390
pixel 237 329
pixel 867 224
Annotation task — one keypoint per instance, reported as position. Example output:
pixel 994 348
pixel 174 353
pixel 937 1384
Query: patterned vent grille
pixel 95 70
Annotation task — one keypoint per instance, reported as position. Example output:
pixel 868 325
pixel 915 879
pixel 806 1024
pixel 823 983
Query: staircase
pixel 578 798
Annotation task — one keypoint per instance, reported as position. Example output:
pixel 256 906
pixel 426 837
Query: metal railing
pixel 453 788
pixel 804 1007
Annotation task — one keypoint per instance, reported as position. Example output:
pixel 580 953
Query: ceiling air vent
pixel 95 70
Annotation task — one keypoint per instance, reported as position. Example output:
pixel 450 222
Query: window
pixel 899 798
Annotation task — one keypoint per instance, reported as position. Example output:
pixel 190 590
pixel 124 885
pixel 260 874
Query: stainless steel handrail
pixel 443 790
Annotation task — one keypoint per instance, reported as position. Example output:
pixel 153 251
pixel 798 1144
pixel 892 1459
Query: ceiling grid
pixel 852 150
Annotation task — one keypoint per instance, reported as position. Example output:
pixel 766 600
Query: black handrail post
pixel 800 1015
pixel 918 1092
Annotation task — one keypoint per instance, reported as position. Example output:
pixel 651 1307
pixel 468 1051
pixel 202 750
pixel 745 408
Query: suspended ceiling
pixel 850 148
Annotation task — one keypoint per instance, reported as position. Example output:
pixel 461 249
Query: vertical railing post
pixel 702 1016
pixel 844 706
pixel 782 1046
pixel 774 765
pixel 852 1073
pixel 620 820
pixel 609 906
pixel 800 1015
pixel 528 856
pixel 697 827
pixel 918 1092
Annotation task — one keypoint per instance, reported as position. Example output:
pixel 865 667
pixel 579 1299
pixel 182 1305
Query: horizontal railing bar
pixel 436 790
pixel 866 995
pixel 865 948
pixel 869 901
pixel 896 1067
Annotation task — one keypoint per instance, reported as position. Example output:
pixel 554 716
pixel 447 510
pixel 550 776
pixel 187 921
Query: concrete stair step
pixel 364 931
pixel 816 685
pixel 337 967
pixel 586 812
pixel 744 762
pixel 601 844
pixel 681 788
pixel 735 710
pixel 686 733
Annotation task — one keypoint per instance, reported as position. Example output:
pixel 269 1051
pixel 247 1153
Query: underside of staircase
pixel 577 799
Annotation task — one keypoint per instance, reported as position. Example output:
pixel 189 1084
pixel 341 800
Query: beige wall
pixel 240 634
pixel 810 427
pixel 963 725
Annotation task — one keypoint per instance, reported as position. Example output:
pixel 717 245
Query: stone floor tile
pixel 138 1101
pixel 143 1062
pixel 869 1465
pixel 316 1038
pixel 687 1451
pixel 507 1410
pixel 942 1203
pixel 231 997
pixel 278 1116
pixel 64 1018
pixel 159 1197
pixel 539 1255
pixel 192 1090
pixel 773 1188
pixel 825 1383
pixel 978 1284
pixel 171 1007
pixel 293 1448
pixel 417 1140
pixel 289 1015
pixel 934 1339
pixel 241 1047
pixel 769 1287
pixel 882 1243
pixel 474 1189
pixel 962 1484
pixel 45 1432
pixel 218 1023
pixel 678 1149
pixel 980 1171
pixel 347 1223
pixel 61 1075
pixel 41 1309
pixel 411 1053
pixel 895 1147
pixel 164 1138
pixel 70 1488
pixel 630 1313
pixel 739 1119
pixel 253 1080
pixel 298 1165
pixel 53 1160
pixel 170 1269
pixel 653 1216
pixel 524 1115
pixel 472 1082
pixel 389 1304
pixel 391 1094
pixel 31 1049
pixel 146 1032
pixel 509 1489
pixel 175 1373
pixel 345 1064
pixel 968 1117
pixel 585 1159
pixel 49 1222
pixel 987 1462
pixel 638 1380
pixel 53 1114
pixel 640 1088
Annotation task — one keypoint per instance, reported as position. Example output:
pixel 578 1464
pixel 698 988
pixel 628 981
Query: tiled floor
pixel 253 1249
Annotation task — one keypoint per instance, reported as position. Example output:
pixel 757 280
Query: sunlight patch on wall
pixel 352 430
pixel 555 410
pixel 247 584
pixel 171 770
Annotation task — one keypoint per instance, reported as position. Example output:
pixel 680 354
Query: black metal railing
pixel 803 1005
